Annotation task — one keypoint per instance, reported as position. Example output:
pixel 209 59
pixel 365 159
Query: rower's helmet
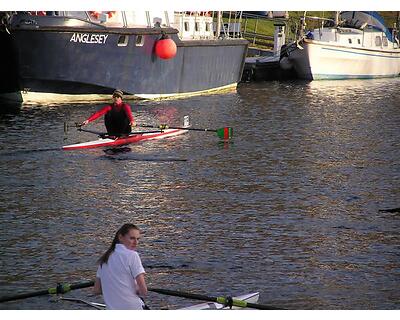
pixel 118 93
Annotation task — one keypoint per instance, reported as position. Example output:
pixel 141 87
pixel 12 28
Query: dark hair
pixel 121 231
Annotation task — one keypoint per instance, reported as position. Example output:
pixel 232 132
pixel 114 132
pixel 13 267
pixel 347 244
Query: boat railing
pixel 195 25
pixel 260 29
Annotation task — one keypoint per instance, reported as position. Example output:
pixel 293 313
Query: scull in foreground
pixel 250 298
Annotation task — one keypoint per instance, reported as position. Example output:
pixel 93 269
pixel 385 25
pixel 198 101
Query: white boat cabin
pixel 367 38
pixel 191 25
pixel 358 29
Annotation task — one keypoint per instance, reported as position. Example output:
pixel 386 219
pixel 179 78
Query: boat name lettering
pixel 89 38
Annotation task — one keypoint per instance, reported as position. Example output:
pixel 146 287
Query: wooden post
pixel 255 32
pixel 218 24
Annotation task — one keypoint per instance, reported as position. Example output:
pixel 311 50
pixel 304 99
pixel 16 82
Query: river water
pixel 290 207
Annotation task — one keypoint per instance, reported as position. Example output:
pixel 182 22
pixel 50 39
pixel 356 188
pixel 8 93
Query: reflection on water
pixel 289 208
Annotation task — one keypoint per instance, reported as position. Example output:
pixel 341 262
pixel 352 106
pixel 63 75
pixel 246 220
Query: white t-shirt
pixel 118 279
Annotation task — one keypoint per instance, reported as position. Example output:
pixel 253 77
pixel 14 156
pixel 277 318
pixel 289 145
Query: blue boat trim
pixel 346 76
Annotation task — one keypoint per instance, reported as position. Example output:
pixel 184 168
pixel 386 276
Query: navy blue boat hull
pixel 46 59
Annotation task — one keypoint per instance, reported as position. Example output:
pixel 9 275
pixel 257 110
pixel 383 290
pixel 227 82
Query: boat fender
pixel 165 48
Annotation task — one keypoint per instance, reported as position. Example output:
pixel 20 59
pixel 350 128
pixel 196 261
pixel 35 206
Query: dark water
pixel 289 208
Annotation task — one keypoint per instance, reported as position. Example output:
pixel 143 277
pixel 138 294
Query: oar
pixel 100 134
pixel 223 133
pixel 104 134
pixel 111 136
pixel 390 210
pixel 228 301
pixel 61 288
pixel 99 306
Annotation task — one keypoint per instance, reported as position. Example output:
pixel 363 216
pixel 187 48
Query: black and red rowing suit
pixel 117 118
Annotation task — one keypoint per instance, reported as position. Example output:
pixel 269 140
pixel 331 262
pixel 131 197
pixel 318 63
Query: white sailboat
pixel 356 44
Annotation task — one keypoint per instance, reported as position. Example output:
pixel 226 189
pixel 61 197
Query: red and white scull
pixel 120 141
pixel 134 137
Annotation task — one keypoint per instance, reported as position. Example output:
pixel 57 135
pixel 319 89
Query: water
pixel 289 208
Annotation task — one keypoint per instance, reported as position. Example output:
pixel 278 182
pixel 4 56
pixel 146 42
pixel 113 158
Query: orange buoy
pixel 165 48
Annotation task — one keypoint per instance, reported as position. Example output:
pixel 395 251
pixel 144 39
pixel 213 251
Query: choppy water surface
pixel 289 208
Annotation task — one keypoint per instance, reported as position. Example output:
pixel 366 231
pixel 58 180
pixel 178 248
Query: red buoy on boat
pixel 165 48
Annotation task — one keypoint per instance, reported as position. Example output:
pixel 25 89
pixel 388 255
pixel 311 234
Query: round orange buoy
pixel 165 48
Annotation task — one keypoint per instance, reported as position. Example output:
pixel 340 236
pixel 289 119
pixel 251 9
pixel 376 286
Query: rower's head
pixel 117 95
pixel 128 235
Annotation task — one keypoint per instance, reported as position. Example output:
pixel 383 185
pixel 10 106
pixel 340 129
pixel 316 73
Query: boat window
pixel 385 41
pixel 378 41
pixel 208 28
pixel 358 41
pixel 197 26
pixel 349 40
pixel 186 26
pixel 123 41
pixel 139 41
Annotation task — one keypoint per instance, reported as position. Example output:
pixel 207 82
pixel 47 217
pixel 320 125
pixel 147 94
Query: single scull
pixel 134 137
pixel 120 141
pixel 250 297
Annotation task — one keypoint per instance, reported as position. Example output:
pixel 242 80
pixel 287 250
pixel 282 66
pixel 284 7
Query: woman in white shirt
pixel 120 275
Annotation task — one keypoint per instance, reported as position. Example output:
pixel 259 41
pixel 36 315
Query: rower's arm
pixel 141 285
pixel 97 287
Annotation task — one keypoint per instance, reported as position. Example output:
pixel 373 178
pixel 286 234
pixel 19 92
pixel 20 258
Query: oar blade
pixel 225 133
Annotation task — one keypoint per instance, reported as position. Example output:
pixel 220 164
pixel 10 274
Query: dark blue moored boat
pixel 82 56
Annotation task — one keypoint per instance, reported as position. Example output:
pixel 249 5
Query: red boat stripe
pixel 122 141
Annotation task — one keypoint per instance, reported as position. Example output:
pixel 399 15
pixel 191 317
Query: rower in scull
pixel 118 117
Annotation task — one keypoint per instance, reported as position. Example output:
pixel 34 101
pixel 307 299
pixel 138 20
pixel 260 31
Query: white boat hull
pixel 319 60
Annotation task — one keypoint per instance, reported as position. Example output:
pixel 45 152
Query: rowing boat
pixel 121 141
pixel 250 298
pixel 134 137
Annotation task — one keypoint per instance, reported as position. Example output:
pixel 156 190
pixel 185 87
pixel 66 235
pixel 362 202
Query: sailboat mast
pixel 337 18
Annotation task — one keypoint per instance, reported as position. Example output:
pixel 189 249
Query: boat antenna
pixel 337 18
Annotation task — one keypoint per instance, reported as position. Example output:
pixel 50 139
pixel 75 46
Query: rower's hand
pixel 84 123
pixel 133 124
